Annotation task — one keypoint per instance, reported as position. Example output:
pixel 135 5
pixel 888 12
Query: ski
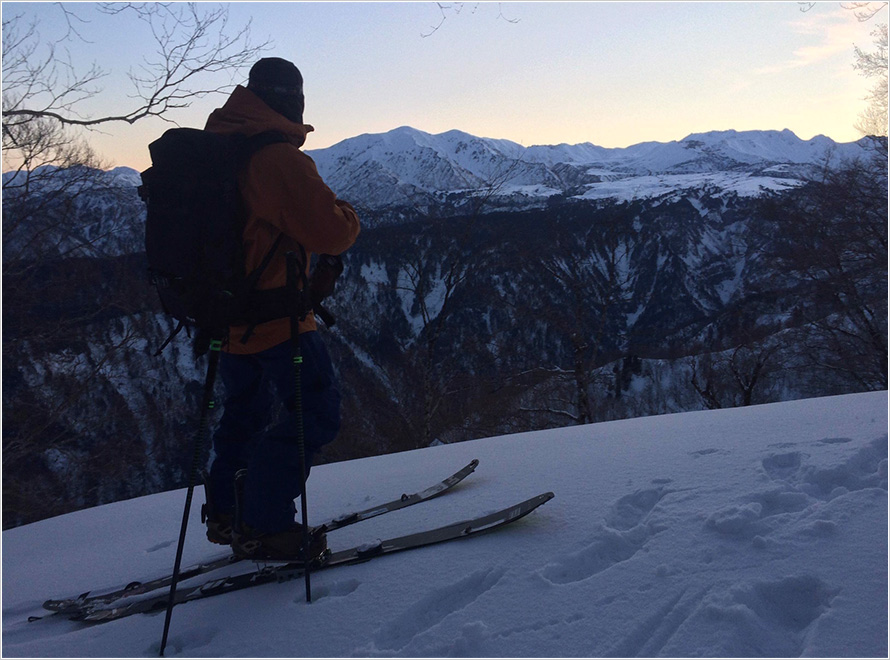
pixel 77 603
pixel 103 612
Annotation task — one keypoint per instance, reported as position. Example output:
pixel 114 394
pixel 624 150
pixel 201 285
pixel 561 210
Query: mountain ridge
pixel 407 166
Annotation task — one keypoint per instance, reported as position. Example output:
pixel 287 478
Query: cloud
pixel 821 36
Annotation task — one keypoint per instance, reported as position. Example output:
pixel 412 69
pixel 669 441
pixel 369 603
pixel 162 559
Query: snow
pixel 534 190
pixel 394 167
pixel 757 531
pixel 640 187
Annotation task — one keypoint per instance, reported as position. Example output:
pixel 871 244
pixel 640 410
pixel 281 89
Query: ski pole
pixel 203 428
pixel 297 309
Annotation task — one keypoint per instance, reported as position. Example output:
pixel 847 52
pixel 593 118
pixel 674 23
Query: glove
pixel 321 285
pixel 324 277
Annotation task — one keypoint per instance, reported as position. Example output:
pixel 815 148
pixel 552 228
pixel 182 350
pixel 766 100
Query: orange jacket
pixel 284 193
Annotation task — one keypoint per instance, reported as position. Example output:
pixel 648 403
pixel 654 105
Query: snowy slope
pixel 685 186
pixel 759 531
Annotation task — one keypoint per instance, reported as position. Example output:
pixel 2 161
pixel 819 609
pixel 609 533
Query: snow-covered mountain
pixel 74 212
pixel 406 166
pixel 407 173
pixel 755 532
pixel 49 178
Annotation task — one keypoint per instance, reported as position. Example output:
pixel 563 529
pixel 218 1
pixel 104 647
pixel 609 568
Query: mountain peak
pixel 404 164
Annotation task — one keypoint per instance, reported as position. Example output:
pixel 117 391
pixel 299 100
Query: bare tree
pixel 831 238
pixel 72 303
pixel 738 377
pixel 44 92
pixel 864 11
pixel 873 65
pixel 703 381
pixel 873 120
pixel 192 41
pixel 593 269
pixel 447 9
pixel 430 280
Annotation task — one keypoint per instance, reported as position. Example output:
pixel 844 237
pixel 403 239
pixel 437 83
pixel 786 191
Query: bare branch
pixel 456 8
pixel 864 11
pixel 192 43
pixel 435 28
pixel 504 18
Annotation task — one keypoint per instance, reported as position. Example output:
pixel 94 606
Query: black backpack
pixel 193 233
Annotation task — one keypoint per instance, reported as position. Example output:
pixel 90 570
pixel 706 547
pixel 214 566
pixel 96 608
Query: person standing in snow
pixel 285 196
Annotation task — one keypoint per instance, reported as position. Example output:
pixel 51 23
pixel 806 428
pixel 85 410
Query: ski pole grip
pixel 296 272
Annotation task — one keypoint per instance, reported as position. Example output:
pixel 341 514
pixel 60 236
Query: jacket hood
pixel 245 113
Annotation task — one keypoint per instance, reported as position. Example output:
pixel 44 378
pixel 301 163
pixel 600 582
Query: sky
pixel 610 73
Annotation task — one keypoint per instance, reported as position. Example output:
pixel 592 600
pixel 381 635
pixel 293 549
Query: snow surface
pixel 679 186
pixel 756 531
pixel 394 167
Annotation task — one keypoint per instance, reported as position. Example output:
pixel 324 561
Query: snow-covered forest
pixel 525 313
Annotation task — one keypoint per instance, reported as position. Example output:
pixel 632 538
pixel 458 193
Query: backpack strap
pixel 257 272
pixel 250 146
pixel 170 338
pixel 254 277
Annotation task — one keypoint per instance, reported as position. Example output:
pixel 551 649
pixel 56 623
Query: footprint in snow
pixel 704 452
pixel 797 488
pixel 631 510
pixel 781 467
pixel 432 609
pixel 864 468
pixel 160 546
pixel 624 533
pixel 760 618
pixel 834 441
pixel 184 642
pixel 611 547
pixel 335 590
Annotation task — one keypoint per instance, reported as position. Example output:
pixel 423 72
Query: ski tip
pixel 474 463
pixel 544 497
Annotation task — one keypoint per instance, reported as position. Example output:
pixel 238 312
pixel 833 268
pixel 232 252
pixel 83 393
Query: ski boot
pixel 284 546
pixel 287 546
pixel 219 525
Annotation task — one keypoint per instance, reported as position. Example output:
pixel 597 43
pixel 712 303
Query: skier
pixel 284 195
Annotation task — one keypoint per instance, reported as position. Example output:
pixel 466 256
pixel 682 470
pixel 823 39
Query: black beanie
pixel 280 85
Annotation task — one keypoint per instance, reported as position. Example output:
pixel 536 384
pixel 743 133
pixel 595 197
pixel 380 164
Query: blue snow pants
pixel 258 429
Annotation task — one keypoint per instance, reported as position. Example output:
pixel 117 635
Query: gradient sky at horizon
pixel 610 73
